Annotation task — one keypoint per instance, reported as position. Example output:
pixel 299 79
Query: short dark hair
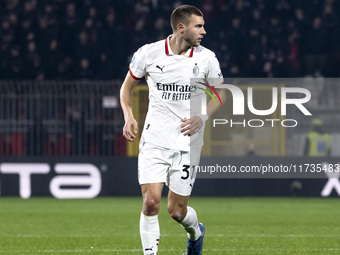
pixel 182 14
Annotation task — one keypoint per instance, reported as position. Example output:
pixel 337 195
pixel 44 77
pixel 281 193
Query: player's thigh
pixel 153 164
pixel 182 174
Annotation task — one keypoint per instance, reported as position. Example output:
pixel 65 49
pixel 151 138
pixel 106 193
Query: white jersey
pixel 168 77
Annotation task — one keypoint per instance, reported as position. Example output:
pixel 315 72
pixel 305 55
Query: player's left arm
pixel 195 123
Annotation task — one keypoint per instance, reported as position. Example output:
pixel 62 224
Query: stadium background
pixel 62 64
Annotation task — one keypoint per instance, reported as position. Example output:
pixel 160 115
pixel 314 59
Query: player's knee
pixel 151 205
pixel 176 212
pixel 176 215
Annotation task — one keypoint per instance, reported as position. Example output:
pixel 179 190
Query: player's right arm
pixel 130 128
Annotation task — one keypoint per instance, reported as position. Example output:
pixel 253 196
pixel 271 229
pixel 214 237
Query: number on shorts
pixel 186 171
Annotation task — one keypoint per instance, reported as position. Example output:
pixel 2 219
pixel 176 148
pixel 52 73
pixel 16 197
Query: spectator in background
pixel 254 66
pixel 236 40
pixel 30 9
pixel 84 70
pixel 48 29
pixel 105 67
pixel 84 47
pixel 32 60
pixel 52 57
pixel 25 31
pixel 281 67
pixel 160 28
pixel 138 23
pixel 268 69
pixel 65 69
pixel 70 24
pixel 7 32
pixel 15 64
pixel 306 34
pixel 318 142
pixel 293 56
pixel 75 122
pixel 334 65
pixel 317 43
pixel 234 71
pixel 112 41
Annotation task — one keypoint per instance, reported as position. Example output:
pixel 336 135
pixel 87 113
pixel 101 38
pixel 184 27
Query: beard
pixel 192 42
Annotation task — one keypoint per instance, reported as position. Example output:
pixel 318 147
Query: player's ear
pixel 181 28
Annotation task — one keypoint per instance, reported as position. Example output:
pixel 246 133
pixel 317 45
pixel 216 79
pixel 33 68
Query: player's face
pixel 194 31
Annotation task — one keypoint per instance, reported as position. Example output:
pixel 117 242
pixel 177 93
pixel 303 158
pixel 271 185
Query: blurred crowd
pixel 94 39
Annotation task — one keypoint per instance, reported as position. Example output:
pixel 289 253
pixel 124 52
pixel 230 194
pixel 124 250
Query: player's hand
pixel 191 126
pixel 130 129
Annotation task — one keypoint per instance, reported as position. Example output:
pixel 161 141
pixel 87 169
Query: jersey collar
pixel 169 52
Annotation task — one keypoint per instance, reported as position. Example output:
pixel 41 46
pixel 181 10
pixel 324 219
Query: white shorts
pixel 172 167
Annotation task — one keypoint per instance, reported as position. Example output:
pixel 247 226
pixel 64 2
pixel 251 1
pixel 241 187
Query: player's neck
pixel 178 45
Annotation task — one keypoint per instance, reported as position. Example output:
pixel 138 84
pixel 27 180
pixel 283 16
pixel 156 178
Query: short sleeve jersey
pixel 168 77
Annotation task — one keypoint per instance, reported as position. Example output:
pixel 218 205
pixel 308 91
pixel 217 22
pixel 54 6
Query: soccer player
pixel 164 149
